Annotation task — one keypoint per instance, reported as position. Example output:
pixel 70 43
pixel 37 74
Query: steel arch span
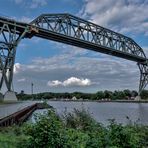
pixel 70 30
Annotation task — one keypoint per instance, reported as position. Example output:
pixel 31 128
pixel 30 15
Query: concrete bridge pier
pixel 10 96
pixel 138 98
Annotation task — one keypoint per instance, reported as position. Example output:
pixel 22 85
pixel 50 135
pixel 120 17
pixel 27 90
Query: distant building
pixel 22 92
pixel 74 98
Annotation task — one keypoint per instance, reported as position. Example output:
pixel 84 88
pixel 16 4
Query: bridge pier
pixel 10 96
pixel 138 98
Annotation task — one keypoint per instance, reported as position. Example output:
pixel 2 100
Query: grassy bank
pixel 9 102
pixel 73 130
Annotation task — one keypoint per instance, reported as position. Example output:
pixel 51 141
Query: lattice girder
pixel 9 39
pixel 80 29
pixel 143 76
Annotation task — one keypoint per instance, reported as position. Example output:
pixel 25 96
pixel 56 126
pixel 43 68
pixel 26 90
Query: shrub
pixel 73 130
pixel 79 119
pixel 46 132
pixel 122 136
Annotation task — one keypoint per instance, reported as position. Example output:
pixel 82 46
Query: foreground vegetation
pixel 73 130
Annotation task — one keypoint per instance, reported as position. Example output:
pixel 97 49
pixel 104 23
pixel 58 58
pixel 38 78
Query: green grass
pixel 11 136
pixel 8 137
pixel 8 140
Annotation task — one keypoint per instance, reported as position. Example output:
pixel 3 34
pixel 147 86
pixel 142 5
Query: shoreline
pixel 101 101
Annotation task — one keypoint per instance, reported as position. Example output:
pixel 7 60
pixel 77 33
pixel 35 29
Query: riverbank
pixel 103 101
pixel 9 102
pixel 77 100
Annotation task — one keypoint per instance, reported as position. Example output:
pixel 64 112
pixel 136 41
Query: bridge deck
pixel 84 44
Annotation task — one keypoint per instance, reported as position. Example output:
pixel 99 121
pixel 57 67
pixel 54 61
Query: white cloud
pixel 17 67
pixel 21 80
pixel 54 83
pixel 25 19
pixel 37 3
pixel 18 1
pixel 31 3
pixel 73 81
pixel 145 49
pixel 123 15
pixel 104 71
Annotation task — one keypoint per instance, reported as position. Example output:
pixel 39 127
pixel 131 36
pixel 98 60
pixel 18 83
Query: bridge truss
pixel 71 30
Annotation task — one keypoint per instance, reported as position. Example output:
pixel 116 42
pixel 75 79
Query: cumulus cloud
pixel 21 80
pixel 17 67
pixel 124 15
pixel 54 83
pixel 73 81
pixel 31 3
pixel 38 3
pixel 25 19
pixel 18 1
pixel 104 71
pixel 145 49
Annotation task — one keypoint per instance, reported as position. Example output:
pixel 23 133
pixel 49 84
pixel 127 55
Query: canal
pixel 102 111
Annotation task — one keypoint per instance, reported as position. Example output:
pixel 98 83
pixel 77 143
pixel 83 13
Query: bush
pixel 46 132
pixel 79 119
pixel 122 136
pixel 73 130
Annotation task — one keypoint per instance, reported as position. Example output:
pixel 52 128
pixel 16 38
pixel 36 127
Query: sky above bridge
pixel 57 67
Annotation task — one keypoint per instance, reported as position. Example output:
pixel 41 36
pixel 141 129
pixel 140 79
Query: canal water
pixel 102 111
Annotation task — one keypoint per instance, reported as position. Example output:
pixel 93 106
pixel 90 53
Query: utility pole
pixel 32 89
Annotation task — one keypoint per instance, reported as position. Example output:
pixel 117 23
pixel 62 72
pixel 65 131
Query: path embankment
pixel 21 115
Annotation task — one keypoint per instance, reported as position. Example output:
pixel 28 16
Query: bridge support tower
pixel 9 39
pixel 143 67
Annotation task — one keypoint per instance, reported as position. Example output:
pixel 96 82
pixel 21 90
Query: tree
pixel 144 94
pixel 127 92
pixel 108 94
pixel 100 95
pixel 118 95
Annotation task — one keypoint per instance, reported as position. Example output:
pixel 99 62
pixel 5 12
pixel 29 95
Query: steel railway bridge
pixel 71 30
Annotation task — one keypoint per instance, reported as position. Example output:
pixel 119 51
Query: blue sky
pixel 57 67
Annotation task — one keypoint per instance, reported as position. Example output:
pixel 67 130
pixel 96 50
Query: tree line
pixel 100 95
